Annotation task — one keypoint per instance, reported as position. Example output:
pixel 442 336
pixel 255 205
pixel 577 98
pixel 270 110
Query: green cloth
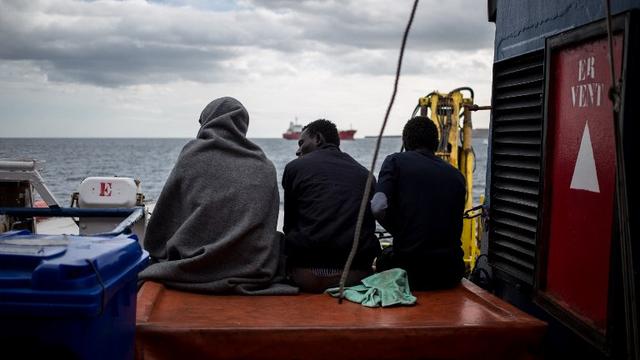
pixel 387 288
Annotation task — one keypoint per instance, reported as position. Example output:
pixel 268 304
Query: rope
pixel 367 188
pixel 628 282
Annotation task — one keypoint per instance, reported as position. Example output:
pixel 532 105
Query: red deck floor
pixel 465 322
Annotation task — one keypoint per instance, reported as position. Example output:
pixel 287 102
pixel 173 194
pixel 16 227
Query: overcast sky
pixel 148 68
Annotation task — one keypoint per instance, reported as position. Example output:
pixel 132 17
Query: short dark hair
pixel 326 128
pixel 420 132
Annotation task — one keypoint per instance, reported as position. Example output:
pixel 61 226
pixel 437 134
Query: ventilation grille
pixel 515 167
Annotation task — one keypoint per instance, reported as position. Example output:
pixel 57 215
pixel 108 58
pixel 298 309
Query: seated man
pixel 420 200
pixel 213 229
pixel 322 194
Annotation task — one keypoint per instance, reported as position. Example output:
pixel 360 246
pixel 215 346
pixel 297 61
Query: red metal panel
pixel 580 179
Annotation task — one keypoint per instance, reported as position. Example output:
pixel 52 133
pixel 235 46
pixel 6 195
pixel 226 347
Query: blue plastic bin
pixel 70 297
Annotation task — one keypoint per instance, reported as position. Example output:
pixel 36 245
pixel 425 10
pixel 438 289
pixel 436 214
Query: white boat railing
pixel 25 170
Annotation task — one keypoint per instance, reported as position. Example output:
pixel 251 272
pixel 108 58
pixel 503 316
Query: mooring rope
pixel 367 188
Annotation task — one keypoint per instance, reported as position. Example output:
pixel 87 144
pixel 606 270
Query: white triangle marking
pixel 585 176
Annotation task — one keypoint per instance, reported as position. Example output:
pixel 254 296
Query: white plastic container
pixel 107 192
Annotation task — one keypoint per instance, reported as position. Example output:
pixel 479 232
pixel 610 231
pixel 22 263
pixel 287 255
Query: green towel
pixel 386 288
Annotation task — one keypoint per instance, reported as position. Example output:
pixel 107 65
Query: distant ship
pixel 294 130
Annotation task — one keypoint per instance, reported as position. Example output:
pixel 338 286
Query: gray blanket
pixel 213 228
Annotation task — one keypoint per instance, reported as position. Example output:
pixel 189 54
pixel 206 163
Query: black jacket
pixel 426 198
pixel 322 195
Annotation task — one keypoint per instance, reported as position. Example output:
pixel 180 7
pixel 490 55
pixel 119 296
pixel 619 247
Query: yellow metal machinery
pixel 451 113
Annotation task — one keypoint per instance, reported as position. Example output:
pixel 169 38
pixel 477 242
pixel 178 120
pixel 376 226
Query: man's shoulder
pixel 453 173
pixel 302 163
pixel 322 156
pixel 449 168
pixel 294 164
pixel 348 162
pixel 405 158
pixel 397 155
pixel 333 154
pixel 415 158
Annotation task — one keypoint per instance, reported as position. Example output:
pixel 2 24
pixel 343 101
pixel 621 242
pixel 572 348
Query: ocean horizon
pixel 65 162
pixel 479 132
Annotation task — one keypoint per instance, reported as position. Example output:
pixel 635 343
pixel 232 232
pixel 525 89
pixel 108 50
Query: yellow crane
pixel 451 112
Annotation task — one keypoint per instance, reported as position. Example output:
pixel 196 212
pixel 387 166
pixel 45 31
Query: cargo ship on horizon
pixel 295 129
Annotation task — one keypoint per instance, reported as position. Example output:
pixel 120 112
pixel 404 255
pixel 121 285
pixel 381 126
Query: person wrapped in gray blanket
pixel 213 229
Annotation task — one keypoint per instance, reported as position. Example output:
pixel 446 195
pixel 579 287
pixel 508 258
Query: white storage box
pixel 107 192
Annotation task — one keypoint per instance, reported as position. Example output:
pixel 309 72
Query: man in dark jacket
pixel 323 190
pixel 420 200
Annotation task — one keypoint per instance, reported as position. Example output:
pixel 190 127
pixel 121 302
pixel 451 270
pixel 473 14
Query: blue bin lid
pixel 58 275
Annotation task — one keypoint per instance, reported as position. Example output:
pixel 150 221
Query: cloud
pixel 124 43
pixel 370 24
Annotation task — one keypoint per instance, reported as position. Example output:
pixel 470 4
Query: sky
pixel 148 68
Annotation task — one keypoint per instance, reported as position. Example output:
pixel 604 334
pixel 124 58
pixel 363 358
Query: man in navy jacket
pixel 420 200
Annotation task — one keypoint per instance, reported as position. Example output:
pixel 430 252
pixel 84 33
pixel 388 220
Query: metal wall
pixel 523 25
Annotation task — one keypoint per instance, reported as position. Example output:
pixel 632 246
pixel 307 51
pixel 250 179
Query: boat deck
pixel 465 322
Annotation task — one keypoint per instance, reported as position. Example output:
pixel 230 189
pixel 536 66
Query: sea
pixel 65 162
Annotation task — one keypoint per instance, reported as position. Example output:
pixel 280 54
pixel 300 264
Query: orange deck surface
pixel 465 322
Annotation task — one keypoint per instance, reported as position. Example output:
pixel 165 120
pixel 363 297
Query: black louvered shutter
pixel 515 167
